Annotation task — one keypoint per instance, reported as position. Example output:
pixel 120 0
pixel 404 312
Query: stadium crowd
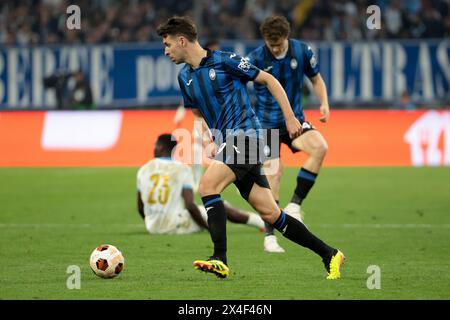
pixel 32 22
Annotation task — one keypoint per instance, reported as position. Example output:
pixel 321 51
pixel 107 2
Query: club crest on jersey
pixel 313 61
pixel 212 74
pixel 294 63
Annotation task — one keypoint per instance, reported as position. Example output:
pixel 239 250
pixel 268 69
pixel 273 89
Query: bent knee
pixel 320 150
pixel 270 218
pixel 269 215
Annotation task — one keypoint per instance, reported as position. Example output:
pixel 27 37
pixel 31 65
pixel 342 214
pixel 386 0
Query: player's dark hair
pixel 275 27
pixel 178 26
pixel 167 141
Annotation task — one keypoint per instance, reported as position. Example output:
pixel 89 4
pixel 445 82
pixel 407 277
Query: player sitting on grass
pixel 166 198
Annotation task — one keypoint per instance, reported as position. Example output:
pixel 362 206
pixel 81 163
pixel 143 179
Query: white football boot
pixel 294 211
pixel 271 244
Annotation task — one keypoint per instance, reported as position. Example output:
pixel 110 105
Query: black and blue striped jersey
pixel 217 88
pixel 299 61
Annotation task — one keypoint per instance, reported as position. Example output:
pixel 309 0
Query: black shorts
pixel 245 155
pixel 283 137
pixel 247 175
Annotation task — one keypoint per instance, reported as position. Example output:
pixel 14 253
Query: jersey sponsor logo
pixel 189 82
pixel 294 63
pixel 268 68
pixel 212 74
pixel 244 65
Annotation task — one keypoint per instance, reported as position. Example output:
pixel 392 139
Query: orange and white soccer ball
pixel 107 261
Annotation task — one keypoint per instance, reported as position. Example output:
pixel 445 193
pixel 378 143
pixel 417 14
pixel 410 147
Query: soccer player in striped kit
pixel 213 85
pixel 289 60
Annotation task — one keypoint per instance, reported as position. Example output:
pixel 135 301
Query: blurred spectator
pixel 393 18
pixel 405 101
pixel 432 21
pixel 30 22
pixel 260 9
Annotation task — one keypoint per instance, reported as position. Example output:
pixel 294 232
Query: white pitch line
pixel 345 225
pixel 61 225
pixel 384 226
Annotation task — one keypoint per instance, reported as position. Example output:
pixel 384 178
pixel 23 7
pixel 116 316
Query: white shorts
pixel 181 223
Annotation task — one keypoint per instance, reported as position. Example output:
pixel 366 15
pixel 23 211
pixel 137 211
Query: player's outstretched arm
pixel 188 197
pixel 273 85
pixel 320 90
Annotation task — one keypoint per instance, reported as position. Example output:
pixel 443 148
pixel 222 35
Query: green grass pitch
pixel 395 218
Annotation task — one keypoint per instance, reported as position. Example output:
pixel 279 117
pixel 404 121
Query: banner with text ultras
pixel 140 75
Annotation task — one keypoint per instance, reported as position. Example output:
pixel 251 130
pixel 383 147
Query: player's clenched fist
pixel 294 127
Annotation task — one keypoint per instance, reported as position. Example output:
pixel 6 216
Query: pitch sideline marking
pixel 345 225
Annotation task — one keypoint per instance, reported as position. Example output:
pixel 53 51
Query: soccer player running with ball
pixel 288 60
pixel 213 85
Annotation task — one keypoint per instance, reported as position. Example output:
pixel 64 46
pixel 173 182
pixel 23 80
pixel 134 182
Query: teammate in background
pixel 288 60
pixel 213 85
pixel 166 198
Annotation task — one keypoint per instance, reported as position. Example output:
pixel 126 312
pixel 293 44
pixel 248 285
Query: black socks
pixel 217 222
pixel 296 231
pixel 305 181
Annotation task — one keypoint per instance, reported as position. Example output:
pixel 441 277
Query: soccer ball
pixel 107 261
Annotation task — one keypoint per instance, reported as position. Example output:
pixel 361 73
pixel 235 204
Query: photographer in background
pixel 58 82
pixel 81 94
pixel 72 90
